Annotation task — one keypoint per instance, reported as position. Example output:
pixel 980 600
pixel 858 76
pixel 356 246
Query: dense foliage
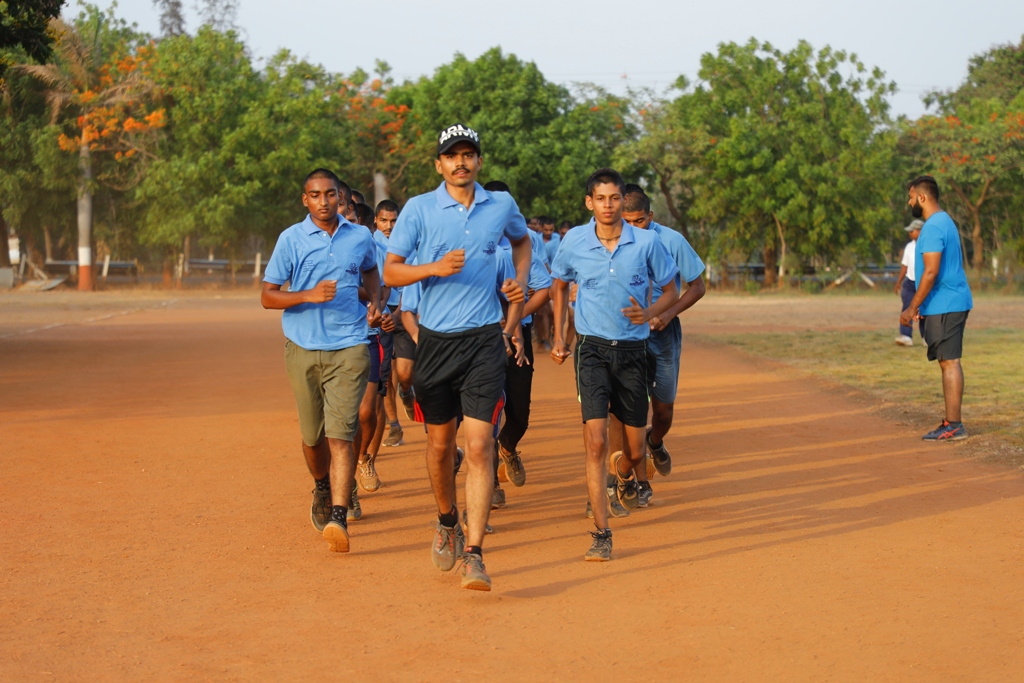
pixel 152 146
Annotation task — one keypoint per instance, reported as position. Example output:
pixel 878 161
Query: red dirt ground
pixel 154 512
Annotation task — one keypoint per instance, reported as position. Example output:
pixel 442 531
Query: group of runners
pixel 443 302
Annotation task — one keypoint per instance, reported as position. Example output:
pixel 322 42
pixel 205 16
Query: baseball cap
pixel 453 135
pixel 915 224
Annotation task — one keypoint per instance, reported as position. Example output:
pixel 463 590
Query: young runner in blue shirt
pixel 453 233
pixel 943 299
pixel 326 330
pixel 614 266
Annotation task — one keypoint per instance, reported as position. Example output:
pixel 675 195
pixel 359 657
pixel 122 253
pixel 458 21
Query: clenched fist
pixel 323 292
pixel 451 263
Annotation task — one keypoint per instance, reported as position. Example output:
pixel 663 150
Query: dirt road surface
pixel 154 525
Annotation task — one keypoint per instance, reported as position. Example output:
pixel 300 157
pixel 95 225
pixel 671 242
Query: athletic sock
pixel 323 484
pixel 475 549
pixel 339 513
pixel 450 519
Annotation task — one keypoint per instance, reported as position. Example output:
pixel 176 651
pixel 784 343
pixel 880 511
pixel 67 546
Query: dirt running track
pixel 154 526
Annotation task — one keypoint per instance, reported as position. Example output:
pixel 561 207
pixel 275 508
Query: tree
pixel 220 15
pixel 791 151
pixel 99 88
pixel 26 25
pixel 172 17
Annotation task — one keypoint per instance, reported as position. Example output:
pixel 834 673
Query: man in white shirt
pixel 906 283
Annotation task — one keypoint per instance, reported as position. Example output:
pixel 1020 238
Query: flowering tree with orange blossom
pixel 100 93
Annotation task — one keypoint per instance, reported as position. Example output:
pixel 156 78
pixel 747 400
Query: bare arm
pixel 272 297
pixel 925 282
pixel 560 301
pixel 398 273
pixel 639 315
pixel 412 325
pixel 695 291
pixel 537 300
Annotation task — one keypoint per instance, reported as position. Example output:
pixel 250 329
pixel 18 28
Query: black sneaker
pixel 460 455
pixel 946 432
pixel 645 493
pixel 409 403
pixel 662 460
pixel 355 510
pixel 601 547
pixel 336 534
pixel 320 512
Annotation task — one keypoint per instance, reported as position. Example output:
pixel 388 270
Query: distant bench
pixel 106 267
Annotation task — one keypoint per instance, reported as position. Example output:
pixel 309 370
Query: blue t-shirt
pixel 539 276
pixel 607 279
pixel 433 224
pixel 539 250
pixel 396 292
pixel 506 271
pixel 686 259
pixel 551 246
pixel 306 255
pixel 950 292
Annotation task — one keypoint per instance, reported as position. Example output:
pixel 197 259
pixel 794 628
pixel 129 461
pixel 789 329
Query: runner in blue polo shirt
pixel 666 340
pixel 326 329
pixel 403 350
pixel 614 266
pixel 943 299
pixel 453 234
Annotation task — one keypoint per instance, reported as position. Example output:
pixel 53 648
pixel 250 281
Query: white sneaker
pixel 904 340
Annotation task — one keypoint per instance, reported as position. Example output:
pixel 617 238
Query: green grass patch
pixel 993 365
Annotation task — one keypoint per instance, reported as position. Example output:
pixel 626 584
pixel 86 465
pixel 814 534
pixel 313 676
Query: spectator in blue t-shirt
pixel 943 299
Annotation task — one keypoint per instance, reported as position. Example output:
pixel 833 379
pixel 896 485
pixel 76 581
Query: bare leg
pixel 367 419
pixel 595 440
pixel 952 387
pixel 378 433
pixel 390 405
pixel 479 477
pixel 661 420
pixel 403 370
pixel 343 469
pixel 634 448
pixel 441 464
pixel 318 458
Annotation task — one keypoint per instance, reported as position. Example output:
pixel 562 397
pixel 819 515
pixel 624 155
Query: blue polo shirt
pixel 506 271
pixel 381 253
pixel 686 259
pixel 306 255
pixel 539 252
pixel 551 246
pixel 433 224
pixel 607 279
pixel 539 276
pixel 950 293
pixel 396 292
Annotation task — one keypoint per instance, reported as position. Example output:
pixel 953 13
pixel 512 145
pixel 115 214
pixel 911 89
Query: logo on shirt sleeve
pixel 352 269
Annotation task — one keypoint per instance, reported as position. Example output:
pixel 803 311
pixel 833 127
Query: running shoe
pixel 510 467
pixel 615 508
pixel 448 545
pixel 355 510
pixel 946 432
pixel 366 475
pixel 904 340
pixel 408 402
pixel 460 455
pixel 336 534
pixel 395 437
pixel 320 512
pixel 474 574
pixel 498 498
pixel 601 547
pixel 625 486
pixel 645 492
pixel 662 460
pixel 465 525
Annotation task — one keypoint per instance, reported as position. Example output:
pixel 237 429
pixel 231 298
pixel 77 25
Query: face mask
pixel 916 211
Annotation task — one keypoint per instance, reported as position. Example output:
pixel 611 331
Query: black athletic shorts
pixel 405 347
pixel 460 373
pixel 944 334
pixel 613 375
pixel 387 348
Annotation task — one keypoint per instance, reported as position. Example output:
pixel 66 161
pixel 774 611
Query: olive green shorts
pixel 328 386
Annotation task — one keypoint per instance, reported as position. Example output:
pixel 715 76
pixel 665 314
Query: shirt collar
pixel 312 228
pixel 444 200
pixel 593 243
pixel 656 227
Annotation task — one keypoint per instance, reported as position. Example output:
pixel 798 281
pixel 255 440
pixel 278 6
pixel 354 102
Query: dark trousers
pixel 518 386
pixel 907 291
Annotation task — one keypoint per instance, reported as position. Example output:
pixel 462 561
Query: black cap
pixel 453 135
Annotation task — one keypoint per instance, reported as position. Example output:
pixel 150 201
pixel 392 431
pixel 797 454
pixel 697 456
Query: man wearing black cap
pixel 452 234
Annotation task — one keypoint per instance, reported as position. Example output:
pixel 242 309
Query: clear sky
pixel 920 46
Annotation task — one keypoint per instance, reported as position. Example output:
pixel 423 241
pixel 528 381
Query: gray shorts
pixel 944 334
pixel 328 387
